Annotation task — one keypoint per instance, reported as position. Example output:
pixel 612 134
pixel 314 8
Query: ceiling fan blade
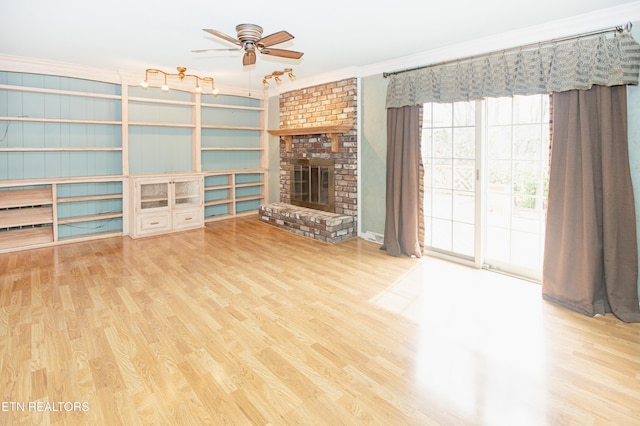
pixel 215 50
pixel 249 58
pixel 283 53
pixel 224 37
pixel 275 38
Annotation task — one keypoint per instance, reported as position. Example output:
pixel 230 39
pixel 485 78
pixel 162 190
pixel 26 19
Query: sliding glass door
pixel 517 172
pixel 485 181
pixel 449 156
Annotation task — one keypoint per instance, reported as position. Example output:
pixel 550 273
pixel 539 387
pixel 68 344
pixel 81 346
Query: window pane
pixel 499 111
pixel 463 238
pixel 464 114
pixel 464 175
pixel 442 199
pixel 464 142
pixel 527 142
pixel 442 174
pixel 442 115
pixel 442 143
pixel 464 207
pixel 527 109
pixel 441 234
pixel 499 142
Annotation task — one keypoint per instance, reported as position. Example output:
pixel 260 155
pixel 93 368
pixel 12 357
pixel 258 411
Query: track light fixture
pixel 181 75
pixel 276 76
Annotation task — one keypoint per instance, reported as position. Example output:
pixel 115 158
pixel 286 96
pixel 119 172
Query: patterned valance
pixel 557 67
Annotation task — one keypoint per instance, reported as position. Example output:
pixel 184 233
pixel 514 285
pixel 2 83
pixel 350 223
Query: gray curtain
pixel 574 64
pixel 402 221
pixel 590 255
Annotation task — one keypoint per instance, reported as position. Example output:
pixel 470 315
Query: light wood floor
pixel 242 323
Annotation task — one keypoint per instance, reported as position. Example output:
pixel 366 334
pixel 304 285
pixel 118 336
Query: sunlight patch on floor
pixel 471 322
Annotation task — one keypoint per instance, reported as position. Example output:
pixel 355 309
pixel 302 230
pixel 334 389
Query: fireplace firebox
pixel 312 184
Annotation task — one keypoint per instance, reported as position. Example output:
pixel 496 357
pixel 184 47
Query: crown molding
pixel 45 66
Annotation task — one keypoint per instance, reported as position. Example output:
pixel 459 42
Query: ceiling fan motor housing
pixel 249 32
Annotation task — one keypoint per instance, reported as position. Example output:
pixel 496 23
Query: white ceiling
pixel 337 36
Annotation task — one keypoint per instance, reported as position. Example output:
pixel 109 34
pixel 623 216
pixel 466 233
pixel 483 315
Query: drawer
pixel 188 219
pixel 148 224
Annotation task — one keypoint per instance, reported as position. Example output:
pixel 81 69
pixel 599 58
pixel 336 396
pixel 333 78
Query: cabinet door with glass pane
pixel 187 193
pixel 153 195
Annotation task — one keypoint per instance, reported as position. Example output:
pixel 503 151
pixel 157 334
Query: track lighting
pixel 276 76
pixel 181 75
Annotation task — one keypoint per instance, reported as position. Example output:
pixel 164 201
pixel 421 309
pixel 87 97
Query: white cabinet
pixel 166 204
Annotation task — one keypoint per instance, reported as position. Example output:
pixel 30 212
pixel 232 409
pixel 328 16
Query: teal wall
pixel 373 151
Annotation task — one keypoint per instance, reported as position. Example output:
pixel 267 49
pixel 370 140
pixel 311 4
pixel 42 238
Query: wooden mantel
pixel 332 132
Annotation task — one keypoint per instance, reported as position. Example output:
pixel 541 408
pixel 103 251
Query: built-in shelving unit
pixel 26 217
pixel 77 147
pixel 233 157
pixel 88 209
pixel 232 193
pixel 161 130
pixel 59 127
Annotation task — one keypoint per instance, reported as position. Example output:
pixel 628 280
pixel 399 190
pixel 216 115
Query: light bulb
pixel 165 87
pixel 144 84
pixel 215 91
pixel 198 89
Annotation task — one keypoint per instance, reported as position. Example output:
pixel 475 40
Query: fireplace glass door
pixel 312 184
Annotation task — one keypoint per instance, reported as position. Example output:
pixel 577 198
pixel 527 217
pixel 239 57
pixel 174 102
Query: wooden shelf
pixel 249 184
pixel 88 218
pixel 89 198
pixel 88 149
pixel 217 187
pixel 58 92
pixel 332 132
pixel 232 149
pixel 159 124
pixel 88 237
pixel 218 126
pixel 25 197
pixel 59 120
pixel 26 216
pixel 26 237
pixel 217 202
pixel 213 218
pixel 250 197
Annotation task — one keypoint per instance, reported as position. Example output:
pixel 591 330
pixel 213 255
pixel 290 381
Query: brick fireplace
pixel 324 119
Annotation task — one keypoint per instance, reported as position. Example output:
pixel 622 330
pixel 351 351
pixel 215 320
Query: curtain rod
pixel 618 28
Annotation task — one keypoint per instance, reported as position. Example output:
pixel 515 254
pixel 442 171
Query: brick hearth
pixel 319 225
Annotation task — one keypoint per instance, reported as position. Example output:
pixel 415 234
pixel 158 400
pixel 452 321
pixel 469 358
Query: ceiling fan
pixel 250 40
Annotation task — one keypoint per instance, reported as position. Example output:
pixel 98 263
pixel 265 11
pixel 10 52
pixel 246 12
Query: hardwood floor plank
pixel 244 323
